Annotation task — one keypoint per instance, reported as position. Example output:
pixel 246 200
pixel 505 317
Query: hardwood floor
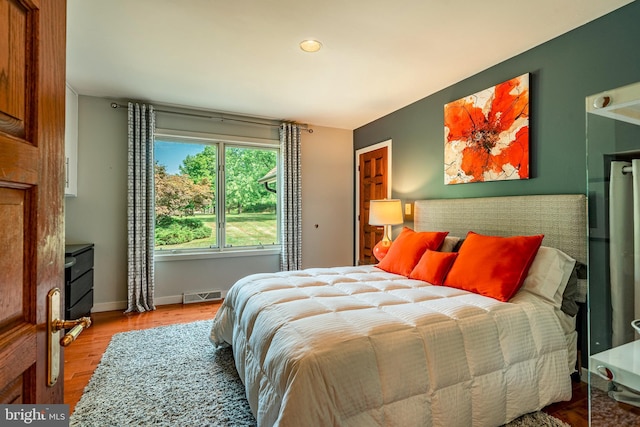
pixel 83 356
pixel 576 411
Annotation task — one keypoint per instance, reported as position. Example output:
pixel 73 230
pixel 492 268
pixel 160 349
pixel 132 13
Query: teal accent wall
pixel 598 56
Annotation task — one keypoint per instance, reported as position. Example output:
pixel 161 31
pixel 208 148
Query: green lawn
pixel 246 229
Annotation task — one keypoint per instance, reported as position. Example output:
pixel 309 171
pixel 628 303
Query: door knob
pixel 77 326
pixel 55 326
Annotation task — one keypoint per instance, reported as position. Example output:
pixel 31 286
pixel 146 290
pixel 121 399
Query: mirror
pixel 613 187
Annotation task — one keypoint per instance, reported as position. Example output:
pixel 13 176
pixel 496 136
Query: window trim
pixel 169 255
pixel 178 136
pixel 222 141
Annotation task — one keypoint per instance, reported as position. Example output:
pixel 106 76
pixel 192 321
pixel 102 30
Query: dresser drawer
pixel 78 288
pixel 78 273
pixel 82 307
pixel 84 263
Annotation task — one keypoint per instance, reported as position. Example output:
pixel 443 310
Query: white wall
pixel 327 197
pixel 98 213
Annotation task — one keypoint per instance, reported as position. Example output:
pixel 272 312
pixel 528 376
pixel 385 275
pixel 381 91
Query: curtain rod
pixel 221 117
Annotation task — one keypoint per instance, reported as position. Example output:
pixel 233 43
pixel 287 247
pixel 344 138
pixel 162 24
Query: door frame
pixel 356 215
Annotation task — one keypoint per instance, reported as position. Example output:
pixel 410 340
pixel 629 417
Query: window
pixel 194 178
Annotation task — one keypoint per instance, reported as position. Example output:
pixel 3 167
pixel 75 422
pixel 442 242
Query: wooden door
pixel 373 177
pixel 32 91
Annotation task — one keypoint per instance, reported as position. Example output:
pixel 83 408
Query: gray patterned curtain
pixel 291 190
pixel 141 208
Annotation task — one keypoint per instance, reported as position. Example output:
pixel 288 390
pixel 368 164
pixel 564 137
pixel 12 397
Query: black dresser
pixel 78 292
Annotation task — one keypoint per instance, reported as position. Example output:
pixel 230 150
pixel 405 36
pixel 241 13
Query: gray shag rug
pixel 172 376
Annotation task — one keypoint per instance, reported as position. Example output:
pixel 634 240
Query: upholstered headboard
pixel 562 218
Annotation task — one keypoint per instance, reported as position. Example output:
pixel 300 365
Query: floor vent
pixel 201 296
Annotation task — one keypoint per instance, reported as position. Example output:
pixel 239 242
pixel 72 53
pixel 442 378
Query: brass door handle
pixel 55 326
pixel 77 326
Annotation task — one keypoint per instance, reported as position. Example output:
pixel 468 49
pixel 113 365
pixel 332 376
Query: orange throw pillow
pixel 408 248
pixel 493 266
pixel 433 266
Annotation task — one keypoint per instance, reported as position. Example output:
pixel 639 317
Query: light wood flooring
pixel 83 356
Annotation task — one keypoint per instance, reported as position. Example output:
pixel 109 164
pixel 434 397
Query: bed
pixel 360 346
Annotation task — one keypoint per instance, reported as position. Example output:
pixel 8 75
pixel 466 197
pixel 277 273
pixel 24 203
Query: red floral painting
pixel 486 135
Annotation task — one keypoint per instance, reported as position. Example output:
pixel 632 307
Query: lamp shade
pixel 385 212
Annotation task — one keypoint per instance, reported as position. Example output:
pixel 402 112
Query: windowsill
pixel 186 256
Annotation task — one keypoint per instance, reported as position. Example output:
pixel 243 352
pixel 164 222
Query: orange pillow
pixel 433 266
pixel 407 249
pixel 493 266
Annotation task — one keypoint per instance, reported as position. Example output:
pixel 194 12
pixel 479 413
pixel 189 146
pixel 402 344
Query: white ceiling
pixel 243 57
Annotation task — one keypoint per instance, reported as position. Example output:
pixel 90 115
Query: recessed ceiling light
pixel 310 45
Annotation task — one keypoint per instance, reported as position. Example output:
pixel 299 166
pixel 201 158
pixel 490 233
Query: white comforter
pixel 356 346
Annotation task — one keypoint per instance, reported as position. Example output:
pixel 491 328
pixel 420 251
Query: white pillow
pixel 449 244
pixel 549 274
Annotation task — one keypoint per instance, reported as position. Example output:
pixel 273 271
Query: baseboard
pixel 109 306
pixel 122 305
pixel 173 299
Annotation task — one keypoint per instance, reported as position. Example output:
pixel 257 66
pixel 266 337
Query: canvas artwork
pixel 486 135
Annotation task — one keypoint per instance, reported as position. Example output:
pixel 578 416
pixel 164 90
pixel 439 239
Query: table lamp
pixel 385 212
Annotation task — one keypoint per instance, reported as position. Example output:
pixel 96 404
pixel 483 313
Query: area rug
pixel 607 412
pixel 172 376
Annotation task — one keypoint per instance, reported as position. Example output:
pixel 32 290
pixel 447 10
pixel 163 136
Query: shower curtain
pixel 624 234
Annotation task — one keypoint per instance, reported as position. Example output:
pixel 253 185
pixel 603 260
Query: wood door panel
pixel 32 109
pixel 17 290
pixel 14 51
pixel 12 394
pixel 18 164
pixel 18 348
pixel 380 167
pixel 373 185
pixel 12 261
